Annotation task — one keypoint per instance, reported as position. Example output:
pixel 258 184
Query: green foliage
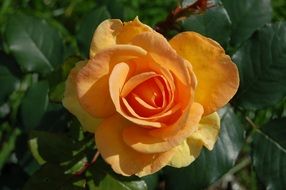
pixel 246 17
pixel 43 145
pixel 34 104
pixel 211 165
pixel 213 23
pixel 261 63
pixel 8 83
pixel 279 7
pixel 88 25
pixel 269 154
pixel 101 177
pixel 36 46
pixel 51 176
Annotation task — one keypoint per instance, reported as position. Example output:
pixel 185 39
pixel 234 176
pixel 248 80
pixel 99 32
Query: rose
pixel 150 102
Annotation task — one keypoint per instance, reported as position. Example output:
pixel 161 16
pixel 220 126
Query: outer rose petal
pixel 113 31
pixel 208 130
pixel 92 79
pixel 163 139
pixel 185 154
pixel 130 30
pixel 71 103
pixel 123 159
pixel 164 55
pixel 105 36
pixel 217 76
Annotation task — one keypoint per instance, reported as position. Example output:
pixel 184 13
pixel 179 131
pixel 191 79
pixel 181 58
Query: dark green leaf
pixel 34 104
pixel 269 154
pixel 4 110
pixel 51 147
pixel 36 46
pixel 99 176
pixel 88 26
pixel 24 156
pixel 8 83
pixel 213 23
pixel 151 181
pixel 116 8
pixel 211 165
pixel 57 92
pixel 262 68
pixel 51 176
pixel 246 17
pixel 8 179
pixel 8 137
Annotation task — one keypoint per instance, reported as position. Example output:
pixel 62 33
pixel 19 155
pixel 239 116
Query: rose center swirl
pixel 145 95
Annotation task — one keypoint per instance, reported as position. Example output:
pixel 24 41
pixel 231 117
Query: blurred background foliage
pixel 43 147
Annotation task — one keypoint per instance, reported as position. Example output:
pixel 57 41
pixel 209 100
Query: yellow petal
pixel 208 130
pixel 182 156
pixel 113 31
pixel 71 103
pixel 105 36
pixel 217 75
pixel 123 159
pixel 163 139
pixel 92 79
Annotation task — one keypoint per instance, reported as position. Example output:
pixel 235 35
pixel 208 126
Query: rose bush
pixel 149 101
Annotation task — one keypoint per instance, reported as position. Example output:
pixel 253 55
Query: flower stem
pixel 87 165
pixel 181 12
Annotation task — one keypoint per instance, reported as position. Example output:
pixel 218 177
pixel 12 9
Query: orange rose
pixel 150 102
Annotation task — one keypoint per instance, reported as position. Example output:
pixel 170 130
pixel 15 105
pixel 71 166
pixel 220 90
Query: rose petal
pixel 185 154
pixel 105 36
pixel 117 80
pixel 165 56
pixel 165 138
pixel 71 103
pixel 123 159
pixel 208 130
pixel 135 81
pixel 113 31
pixel 92 79
pixel 184 127
pixel 216 74
pixel 130 30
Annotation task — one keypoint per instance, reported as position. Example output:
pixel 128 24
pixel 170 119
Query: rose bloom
pixel 150 102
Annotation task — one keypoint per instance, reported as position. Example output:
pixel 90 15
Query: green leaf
pixel 262 68
pixel 269 154
pixel 36 46
pixel 8 83
pixel 57 92
pixel 246 17
pixel 151 181
pixel 116 8
pixel 51 176
pixel 8 181
pixel 8 137
pixel 100 177
pixel 51 147
pixel 210 165
pixel 88 26
pixel 4 110
pixel 186 3
pixel 213 23
pixel 34 104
